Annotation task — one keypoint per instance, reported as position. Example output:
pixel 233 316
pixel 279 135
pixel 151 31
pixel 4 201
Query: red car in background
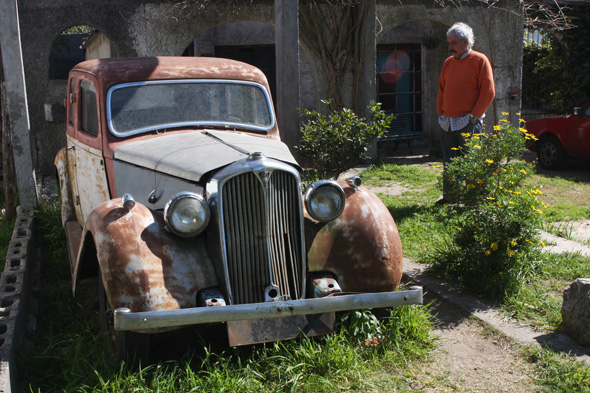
pixel 561 137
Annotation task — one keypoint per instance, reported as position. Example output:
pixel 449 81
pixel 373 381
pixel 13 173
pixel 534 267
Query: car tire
pixel 550 153
pixel 130 347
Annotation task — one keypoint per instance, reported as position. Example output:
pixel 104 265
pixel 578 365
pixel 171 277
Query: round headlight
pixel 325 200
pixel 186 214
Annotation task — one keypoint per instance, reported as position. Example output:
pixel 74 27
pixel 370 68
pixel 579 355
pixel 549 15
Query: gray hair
pixel 463 32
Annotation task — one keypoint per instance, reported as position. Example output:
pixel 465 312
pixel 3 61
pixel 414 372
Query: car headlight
pixel 325 200
pixel 186 214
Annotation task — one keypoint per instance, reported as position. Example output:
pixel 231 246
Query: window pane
pixel 72 91
pixel 88 108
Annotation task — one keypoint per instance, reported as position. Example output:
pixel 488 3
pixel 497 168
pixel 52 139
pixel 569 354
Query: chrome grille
pixel 262 229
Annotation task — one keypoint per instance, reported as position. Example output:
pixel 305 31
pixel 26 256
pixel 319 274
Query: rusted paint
pixel 325 286
pixel 362 248
pixel 274 329
pixel 69 222
pixel 65 187
pixel 91 188
pixel 144 267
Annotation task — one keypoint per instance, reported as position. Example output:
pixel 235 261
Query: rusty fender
pixel 362 247
pixel 144 267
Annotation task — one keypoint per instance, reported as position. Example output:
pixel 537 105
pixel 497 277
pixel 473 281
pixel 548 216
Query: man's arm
pixel 487 90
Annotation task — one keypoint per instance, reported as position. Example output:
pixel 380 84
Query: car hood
pixel 191 155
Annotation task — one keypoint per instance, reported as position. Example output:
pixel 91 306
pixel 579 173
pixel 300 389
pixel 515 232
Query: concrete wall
pixel 147 28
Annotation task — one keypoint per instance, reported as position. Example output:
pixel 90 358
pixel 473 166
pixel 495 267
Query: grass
pixel 6 229
pixel 559 372
pixel 566 198
pixel 68 353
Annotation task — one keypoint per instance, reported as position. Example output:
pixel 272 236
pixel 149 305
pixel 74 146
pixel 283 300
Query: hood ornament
pixel 264 177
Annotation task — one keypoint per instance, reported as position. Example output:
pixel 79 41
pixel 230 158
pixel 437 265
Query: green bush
pixel 494 223
pixel 332 143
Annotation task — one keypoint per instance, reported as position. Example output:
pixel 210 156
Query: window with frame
pixel 88 109
pixel 71 98
pixel 399 84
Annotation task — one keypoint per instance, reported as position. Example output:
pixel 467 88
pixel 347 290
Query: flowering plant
pixel 494 223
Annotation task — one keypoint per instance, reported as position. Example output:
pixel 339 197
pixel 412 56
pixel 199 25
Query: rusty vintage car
pixel 178 194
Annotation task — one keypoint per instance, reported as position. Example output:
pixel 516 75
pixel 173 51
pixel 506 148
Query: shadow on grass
pixel 401 213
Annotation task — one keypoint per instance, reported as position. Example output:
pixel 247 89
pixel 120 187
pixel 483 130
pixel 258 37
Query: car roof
pixel 131 69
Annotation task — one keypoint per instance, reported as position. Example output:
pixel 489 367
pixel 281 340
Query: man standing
pixel 465 90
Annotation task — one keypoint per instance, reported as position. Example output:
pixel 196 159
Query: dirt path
pixel 471 357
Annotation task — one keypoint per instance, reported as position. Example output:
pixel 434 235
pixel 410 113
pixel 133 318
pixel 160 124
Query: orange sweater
pixel 465 86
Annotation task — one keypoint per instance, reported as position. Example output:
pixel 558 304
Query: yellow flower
pixel 489 161
pixel 436 166
pixel 542 243
pixel 510 253
pixel 454 148
pixel 510 202
pixel 488 252
pixel 522 120
pixel 513 242
pixel 490 198
pixel 530 241
pixel 479 181
pixel 505 113
pixel 523 171
pixel 494 246
pixel 465 134
pixel 459 228
pixel 477 146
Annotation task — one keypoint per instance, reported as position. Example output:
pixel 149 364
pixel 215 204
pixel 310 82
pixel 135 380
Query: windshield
pixel 134 108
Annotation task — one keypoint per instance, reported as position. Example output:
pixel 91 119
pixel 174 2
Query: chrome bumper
pixel 127 320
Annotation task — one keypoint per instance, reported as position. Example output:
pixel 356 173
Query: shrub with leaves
pixel 493 223
pixel 332 143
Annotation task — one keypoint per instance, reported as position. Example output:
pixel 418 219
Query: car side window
pixel 71 98
pixel 88 110
pixel 587 111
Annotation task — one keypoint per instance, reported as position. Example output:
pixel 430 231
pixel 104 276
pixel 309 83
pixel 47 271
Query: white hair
pixel 463 31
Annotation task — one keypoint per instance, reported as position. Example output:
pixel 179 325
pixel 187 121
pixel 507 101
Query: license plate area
pixel 276 329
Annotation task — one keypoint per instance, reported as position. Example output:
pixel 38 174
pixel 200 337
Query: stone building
pixel 402 45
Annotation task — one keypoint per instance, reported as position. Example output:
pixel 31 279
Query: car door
pixel 579 134
pixel 85 159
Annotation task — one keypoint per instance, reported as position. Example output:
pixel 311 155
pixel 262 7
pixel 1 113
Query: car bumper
pixel 138 321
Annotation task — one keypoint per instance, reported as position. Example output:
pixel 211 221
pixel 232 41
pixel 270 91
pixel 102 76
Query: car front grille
pixel 261 221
